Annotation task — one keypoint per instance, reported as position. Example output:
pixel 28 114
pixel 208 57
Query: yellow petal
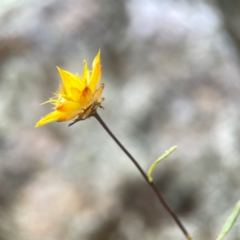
pixel 98 93
pixel 96 73
pixel 96 59
pixel 67 116
pixel 69 106
pixel 51 117
pixel 70 80
pixel 76 93
pixel 86 97
pixel 86 75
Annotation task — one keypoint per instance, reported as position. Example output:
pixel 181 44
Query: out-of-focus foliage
pixel 230 222
pixel 171 74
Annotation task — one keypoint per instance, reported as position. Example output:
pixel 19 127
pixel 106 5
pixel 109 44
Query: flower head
pixel 77 96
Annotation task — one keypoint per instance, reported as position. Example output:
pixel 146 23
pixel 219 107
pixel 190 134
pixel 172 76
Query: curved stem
pixel 151 184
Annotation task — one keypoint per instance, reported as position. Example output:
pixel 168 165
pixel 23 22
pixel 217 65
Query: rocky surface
pixel 171 71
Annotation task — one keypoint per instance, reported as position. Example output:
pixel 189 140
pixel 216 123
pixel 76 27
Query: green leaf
pixel 230 221
pixel 165 155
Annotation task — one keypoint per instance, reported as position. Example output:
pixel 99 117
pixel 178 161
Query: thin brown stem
pixel 151 184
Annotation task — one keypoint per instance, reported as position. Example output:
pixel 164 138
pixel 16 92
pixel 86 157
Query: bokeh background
pixel 171 74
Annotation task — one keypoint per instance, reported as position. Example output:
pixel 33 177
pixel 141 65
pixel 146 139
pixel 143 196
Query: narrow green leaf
pixel 230 221
pixel 165 155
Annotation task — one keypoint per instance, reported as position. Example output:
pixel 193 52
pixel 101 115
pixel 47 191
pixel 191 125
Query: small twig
pixel 75 121
pixel 151 183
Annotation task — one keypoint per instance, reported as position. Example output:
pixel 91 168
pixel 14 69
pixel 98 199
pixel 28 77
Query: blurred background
pixel 171 74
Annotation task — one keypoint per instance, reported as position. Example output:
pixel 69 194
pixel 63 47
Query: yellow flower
pixel 77 96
